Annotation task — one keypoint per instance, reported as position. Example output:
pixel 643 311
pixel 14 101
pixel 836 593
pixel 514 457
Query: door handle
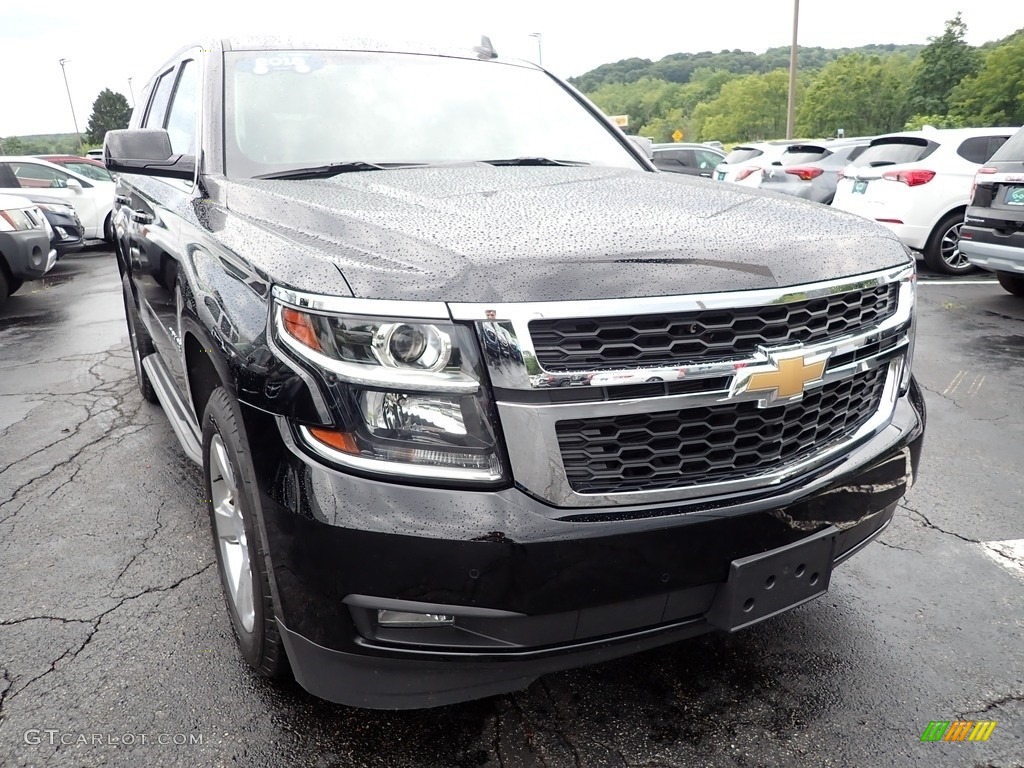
pixel 141 218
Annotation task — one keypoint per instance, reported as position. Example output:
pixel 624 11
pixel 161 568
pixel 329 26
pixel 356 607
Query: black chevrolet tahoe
pixel 477 393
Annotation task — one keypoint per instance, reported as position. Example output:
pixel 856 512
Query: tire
pixel 5 290
pixel 108 228
pixel 141 343
pixel 1011 283
pixel 942 253
pixel 232 503
pixel 14 285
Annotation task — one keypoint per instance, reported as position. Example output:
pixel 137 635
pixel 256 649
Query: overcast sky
pixel 107 43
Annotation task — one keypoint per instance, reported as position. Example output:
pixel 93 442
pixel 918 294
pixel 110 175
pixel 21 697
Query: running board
pixel 182 423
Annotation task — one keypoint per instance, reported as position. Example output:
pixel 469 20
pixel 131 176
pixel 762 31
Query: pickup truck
pixel 356 276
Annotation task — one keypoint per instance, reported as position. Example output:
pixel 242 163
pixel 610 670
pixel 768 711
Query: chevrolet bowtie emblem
pixel 785 376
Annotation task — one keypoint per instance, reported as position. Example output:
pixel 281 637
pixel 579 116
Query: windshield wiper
pixel 333 169
pixel 532 161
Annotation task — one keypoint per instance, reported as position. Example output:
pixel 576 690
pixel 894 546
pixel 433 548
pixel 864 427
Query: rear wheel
pixel 1012 283
pixel 230 484
pixel 942 253
pixel 141 343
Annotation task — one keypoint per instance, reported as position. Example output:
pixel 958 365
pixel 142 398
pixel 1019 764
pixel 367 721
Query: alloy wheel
pixel 231 536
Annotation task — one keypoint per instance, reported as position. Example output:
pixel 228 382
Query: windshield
pixel 89 170
pixel 295 109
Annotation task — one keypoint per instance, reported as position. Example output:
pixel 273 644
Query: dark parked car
pixel 407 508
pixel 68 234
pixel 812 170
pixel 992 236
pixel 25 252
pixel 691 159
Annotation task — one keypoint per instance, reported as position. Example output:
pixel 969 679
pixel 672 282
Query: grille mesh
pixel 704 335
pixel 711 444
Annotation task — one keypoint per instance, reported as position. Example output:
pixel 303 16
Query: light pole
pixel 540 56
pixel 791 106
pixel 70 102
pixel 131 92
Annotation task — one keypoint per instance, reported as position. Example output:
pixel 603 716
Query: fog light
pixel 405 619
pixel 62 233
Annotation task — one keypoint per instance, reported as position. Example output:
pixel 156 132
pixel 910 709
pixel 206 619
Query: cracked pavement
pixel 113 626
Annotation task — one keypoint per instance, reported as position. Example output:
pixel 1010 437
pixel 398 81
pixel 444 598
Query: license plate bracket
pixel 765 585
pixel 721 175
pixel 860 187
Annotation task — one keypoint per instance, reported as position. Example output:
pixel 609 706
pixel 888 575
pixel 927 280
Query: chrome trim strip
pixel 399 310
pixel 536 457
pixel 510 324
pixel 394 468
pixel 374 376
pixel 691 302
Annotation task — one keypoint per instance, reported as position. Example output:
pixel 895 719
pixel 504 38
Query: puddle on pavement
pixel 1002 346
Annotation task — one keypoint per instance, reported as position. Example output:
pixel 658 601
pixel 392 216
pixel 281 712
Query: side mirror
pixel 74 184
pixel 645 144
pixel 146 152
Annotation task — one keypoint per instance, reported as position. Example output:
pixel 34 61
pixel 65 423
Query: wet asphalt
pixel 115 648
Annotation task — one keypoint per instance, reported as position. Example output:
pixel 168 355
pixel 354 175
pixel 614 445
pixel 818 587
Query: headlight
pixel 18 219
pixel 408 394
pixel 64 210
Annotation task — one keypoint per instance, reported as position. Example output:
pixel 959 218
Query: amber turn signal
pixel 300 326
pixel 339 441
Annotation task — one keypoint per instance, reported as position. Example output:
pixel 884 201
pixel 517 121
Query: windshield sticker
pixel 262 65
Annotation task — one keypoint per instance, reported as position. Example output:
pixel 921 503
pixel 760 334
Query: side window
pixel 994 143
pixel 707 160
pixel 158 106
pixel 7 178
pixel 975 149
pixel 32 176
pixel 181 118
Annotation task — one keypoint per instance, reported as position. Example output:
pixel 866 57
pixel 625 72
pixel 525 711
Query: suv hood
pixel 480 233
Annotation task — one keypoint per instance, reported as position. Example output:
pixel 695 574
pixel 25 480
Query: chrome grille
pixel 712 444
pixel 573 344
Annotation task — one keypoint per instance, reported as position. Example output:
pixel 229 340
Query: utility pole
pixel 70 102
pixel 791 105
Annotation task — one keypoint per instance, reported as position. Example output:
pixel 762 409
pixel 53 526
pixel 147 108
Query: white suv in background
pixel 917 183
pixel 744 163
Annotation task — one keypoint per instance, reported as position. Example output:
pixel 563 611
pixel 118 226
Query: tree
pixel 110 112
pixel 995 95
pixel 945 61
pixel 748 108
pixel 863 95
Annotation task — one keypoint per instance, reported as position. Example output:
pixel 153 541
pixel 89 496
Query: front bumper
pixel 28 253
pixel 533 588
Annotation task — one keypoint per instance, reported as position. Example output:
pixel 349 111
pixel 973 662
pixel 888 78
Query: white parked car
pixel 744 162
pixel 92 199
pixel 917 183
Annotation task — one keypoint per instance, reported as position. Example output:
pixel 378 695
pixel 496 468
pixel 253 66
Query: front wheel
pixel 108 228
pixel 232 502
pixel 942 253
pixel 1012 283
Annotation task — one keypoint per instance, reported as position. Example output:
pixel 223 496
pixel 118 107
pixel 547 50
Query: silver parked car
pixel 811 170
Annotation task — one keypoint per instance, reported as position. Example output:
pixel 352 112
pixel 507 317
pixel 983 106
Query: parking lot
pixel 115 648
